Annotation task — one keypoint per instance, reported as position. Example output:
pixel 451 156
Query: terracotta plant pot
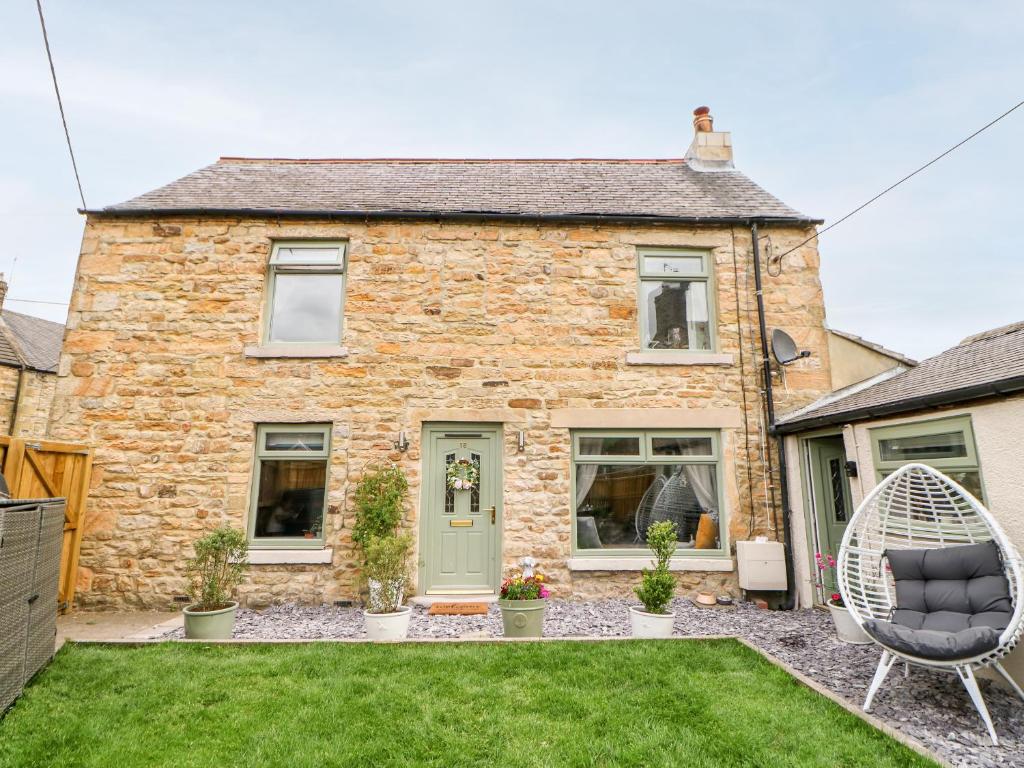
pixel 650 625
pixel 388 626
pixel 210 625
pixel 523 618
pixel 707 533
pixel 847 628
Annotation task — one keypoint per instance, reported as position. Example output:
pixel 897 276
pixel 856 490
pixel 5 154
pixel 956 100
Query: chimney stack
pixel 3 290
pixel 710 150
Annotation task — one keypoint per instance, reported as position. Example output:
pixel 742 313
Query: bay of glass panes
pixel 307 308
pixel 676 315
pixel 947 445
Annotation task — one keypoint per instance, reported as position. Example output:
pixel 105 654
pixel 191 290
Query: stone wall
pixel 443 321
pixel 34 401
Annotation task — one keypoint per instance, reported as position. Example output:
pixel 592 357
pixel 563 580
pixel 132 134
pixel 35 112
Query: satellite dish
pixel 784 348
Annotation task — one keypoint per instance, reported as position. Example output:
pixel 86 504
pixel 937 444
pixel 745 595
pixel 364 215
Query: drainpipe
pixel 787 544
pixel 14 404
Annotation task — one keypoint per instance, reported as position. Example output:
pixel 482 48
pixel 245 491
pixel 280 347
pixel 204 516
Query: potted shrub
pixel 387 571
pixel 380 504
pixel 522 601
pixel 657 586
pixel 847 628
pixel 217 568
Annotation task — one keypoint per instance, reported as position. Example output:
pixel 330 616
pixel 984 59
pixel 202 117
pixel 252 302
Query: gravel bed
pixel 931 707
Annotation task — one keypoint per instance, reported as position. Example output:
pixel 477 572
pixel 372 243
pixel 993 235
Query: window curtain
pixel 702 479
pixel 585 476
pixel 697 315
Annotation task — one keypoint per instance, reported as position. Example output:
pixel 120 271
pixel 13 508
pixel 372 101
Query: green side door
pixel 831 486
pixel 459 528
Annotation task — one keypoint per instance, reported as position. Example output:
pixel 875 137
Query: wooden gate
pixel 42 469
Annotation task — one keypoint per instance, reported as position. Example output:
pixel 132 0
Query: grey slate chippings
pixel 931 707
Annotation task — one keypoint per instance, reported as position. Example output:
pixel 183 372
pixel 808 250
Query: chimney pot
pixel 702 120
pixel 3 290
pixel 710 150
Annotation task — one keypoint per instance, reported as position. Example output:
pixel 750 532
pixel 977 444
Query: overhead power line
pixel 36 301
pixel 909 176
pixel 60 104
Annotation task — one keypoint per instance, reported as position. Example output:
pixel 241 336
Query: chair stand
pixel 884 665
pixel 971 684
pixel 1006 676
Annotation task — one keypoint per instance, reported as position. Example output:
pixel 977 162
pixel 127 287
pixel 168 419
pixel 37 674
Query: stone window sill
pixel 639 563
pixel 291 556
pixel 678 357
pixel 297 351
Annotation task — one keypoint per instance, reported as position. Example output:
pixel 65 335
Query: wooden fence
pixel 40 469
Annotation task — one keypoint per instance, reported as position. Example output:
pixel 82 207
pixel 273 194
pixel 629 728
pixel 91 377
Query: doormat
pixel 458 609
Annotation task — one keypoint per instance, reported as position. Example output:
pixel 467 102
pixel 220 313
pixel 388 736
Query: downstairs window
pixel 289 487
pixel 623 481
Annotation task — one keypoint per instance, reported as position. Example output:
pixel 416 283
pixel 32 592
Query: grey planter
pixel 523 618
pixel 210 625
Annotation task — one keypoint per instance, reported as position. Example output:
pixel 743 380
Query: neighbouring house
pixel 29 355
pixel 244 342
pixel 854 359
pixel 961 411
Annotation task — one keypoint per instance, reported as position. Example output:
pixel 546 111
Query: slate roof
pixel 654 189
pixel 31 341
pixel 983 365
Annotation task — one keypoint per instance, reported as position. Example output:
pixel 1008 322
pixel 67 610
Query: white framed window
pixel 289 485
pixel 625 480
pixel 676 300
pixel 305 293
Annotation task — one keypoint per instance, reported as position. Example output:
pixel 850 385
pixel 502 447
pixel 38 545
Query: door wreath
pixel 462 475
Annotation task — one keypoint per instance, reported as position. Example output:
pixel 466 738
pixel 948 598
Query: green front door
pixel 460 527
pixel 832 500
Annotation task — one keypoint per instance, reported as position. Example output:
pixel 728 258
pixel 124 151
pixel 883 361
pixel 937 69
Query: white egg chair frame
pixel 918 507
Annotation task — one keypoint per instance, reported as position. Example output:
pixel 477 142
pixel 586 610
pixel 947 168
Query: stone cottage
pixel 29 355
pixel 244 342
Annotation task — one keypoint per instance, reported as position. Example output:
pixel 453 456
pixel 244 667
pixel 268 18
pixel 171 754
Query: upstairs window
pixel 675 300
pixel 306 292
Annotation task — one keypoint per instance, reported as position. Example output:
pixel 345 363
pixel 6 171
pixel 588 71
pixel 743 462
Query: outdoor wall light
pixel 521 444
pixel 402 443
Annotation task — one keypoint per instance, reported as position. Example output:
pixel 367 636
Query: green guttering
pixel 558 218
pixel 949 397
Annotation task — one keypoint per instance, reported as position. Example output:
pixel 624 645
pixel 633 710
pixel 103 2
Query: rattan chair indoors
pixel 930 575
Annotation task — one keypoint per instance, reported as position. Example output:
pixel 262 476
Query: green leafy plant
pixel 657 586
pixel 380 504
pixel 387 570
pixel 217 568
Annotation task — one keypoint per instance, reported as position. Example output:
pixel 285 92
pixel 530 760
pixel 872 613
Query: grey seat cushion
pixel 932 644
pixel 951 603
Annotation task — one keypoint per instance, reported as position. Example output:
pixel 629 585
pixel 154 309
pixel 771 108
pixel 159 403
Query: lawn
pixel 615 703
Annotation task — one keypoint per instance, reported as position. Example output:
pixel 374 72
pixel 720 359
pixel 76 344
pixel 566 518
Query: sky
pixel 828 103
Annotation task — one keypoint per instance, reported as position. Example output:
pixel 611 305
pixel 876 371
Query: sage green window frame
pixel 968 463
pixel 647 456
pixel 261 454
pixel 706 276
pixel 277 267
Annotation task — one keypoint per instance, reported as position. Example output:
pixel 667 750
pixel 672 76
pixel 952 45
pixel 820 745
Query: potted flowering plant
pixel 522 603
pixel 847 628
pixel 657 586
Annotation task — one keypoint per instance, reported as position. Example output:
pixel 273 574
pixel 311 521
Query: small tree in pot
pixel 380 504
pixel 217 568
pixel 657 586
pixel 387 571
